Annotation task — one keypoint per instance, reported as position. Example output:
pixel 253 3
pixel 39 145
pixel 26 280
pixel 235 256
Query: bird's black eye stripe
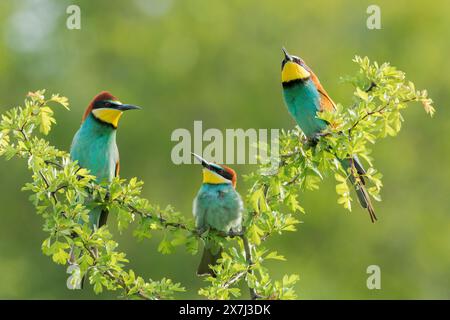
pixel 221 172
pixel 103 104
pixel 295 59
pixel 98 104
pixel 224 174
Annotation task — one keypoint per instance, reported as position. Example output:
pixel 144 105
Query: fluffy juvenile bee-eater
pixel 304 97
pixel 94 145
pixel 217 206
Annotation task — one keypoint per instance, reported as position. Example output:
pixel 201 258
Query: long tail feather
pixel 358 183
pixel 103 217
pixel 208 258
pixel 364 199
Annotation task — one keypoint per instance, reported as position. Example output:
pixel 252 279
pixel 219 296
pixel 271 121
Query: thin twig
pixel 53 163
pixel 248 257
pixel 234 279
pixel 162 220
pixel 380 110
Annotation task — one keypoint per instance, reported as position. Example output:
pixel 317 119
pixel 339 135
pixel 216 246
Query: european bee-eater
pixel 304 97
pixel 94 145
pixel 217 206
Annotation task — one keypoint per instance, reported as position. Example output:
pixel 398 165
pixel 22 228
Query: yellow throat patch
pixel 213 178
pixel 110 116
pixel 293 71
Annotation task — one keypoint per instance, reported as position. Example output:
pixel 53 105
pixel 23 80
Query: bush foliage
pixel 60 188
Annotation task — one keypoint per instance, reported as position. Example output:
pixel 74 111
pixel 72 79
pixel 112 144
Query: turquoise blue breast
pixel 94 146
pixel 218 206
pixel 303 103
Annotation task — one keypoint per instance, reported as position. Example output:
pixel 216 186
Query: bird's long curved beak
pixel 202 161
pixel 125 107
pixel 287 56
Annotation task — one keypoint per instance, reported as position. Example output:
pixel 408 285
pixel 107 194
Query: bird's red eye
pixel 107 104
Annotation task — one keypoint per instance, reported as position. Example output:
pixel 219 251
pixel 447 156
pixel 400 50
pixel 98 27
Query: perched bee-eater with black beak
pixel 94 145
pixel 217 206
pixel 304 97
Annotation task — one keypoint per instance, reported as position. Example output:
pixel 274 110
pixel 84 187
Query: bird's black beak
pixel 125 107
pixel 287 56
pixel 202 161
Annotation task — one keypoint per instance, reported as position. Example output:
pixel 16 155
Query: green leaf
pixel 165 247
pixel 115 190
pixel 46 119
pixel 63 101
pixel 274 255
pixel 362 94
pixel 60 257
pixel 293 203
pixel 258 201
pixel 192 245
pixel 254 234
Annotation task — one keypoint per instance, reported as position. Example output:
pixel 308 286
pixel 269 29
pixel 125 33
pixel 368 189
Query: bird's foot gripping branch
pixel 61 191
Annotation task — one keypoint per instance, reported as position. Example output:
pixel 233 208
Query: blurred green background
pixel 220 62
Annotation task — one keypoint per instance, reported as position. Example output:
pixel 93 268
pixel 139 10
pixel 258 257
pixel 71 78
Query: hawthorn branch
pixel 108 273
pixel 248 257
pixel 53 163
pixel 161 219
pixel 30 153
pixel 378 111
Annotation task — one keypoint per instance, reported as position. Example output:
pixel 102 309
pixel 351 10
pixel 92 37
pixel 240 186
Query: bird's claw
pixel 201 231
pixel 233 233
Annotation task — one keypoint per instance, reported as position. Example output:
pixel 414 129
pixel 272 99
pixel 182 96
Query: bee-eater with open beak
pixel 217 206
pixel 304 97
pixel 94 145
